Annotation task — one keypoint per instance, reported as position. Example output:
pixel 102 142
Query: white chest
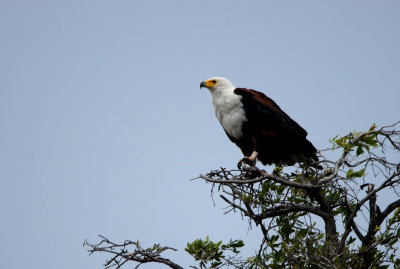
pixel 230 113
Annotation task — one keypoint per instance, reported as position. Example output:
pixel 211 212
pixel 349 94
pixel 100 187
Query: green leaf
pixel 359 150
pixel 280 189
pixel 215 264
pixel 277 170
pixel 351 240
pixel 373 127
pixel 354 174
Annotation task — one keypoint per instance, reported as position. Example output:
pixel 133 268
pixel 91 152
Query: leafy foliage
pixel 206 251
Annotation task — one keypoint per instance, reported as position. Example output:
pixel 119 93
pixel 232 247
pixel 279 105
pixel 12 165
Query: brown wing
pixel 263 112
pixel 278 138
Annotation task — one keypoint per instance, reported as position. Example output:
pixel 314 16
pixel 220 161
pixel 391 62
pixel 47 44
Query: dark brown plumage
pixel 271 132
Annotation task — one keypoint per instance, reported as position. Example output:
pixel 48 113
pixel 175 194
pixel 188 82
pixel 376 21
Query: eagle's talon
pixel 239 165
pixel 246 160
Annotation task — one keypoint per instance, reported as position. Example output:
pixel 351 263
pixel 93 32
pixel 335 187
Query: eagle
pixel 258 126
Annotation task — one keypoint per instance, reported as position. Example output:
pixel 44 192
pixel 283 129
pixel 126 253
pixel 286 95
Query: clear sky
pixel 103 122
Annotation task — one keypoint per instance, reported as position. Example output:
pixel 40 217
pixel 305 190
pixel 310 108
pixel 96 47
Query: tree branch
pixel 347 231
pixel 389 209
pixel 265 175
pixel 121 255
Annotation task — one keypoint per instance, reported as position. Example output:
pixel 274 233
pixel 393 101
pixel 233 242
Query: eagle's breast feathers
pixel 230 113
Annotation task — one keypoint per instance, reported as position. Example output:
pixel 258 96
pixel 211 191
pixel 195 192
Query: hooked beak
pixel 202 84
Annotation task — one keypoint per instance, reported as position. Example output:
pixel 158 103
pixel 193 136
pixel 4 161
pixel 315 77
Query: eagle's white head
pixel 217 84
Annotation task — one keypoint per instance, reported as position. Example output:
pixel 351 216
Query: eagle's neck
pixel 229 111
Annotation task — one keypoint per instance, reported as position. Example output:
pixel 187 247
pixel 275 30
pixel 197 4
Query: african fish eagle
pixel 258 126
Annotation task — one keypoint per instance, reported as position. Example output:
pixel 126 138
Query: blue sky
pixel 103 123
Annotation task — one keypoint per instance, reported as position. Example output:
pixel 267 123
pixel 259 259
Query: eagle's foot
pixel 250 161
pixel 246 161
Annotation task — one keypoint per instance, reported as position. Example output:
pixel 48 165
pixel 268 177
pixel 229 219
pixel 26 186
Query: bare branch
pixel 264 176
pixel 389 209
pixel 121 255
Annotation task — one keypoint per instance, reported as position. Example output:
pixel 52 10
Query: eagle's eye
pixel 214 81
